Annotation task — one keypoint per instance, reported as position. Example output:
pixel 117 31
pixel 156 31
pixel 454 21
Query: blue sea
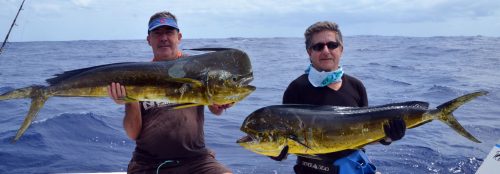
pixel 86 134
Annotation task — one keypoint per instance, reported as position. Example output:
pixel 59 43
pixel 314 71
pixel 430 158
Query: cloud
pixel 251 18
pixel 45 8
pixel 361 10
pixel 82 3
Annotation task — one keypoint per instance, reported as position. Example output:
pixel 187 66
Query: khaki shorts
pixel 203 165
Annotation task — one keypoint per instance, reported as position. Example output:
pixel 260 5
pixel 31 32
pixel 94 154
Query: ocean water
pixel 86 135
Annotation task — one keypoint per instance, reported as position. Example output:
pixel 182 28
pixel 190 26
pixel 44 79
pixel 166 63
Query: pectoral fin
pixel 296 139
pixel 194 83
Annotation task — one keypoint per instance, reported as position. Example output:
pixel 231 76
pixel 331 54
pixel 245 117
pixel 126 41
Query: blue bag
pixel 356 162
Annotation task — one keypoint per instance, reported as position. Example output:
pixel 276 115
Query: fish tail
pixel 18 93
pixel 38 95
pixel 444 113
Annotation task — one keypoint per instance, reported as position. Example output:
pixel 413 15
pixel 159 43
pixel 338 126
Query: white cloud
pixel 303 12
pixel 249 18
pixel 44 8
pixel 82 3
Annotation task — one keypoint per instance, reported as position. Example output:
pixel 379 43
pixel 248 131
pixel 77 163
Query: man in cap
pixel 167 140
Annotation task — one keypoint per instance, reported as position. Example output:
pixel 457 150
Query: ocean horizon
pixel 86 135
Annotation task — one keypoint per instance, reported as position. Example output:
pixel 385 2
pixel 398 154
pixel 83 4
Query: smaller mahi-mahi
pixel 219 77
pixel 314 130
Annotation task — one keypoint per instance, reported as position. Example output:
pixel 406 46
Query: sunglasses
pixel 320 46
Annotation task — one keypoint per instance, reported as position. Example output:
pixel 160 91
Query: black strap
pixel 307 165
pixel 324 166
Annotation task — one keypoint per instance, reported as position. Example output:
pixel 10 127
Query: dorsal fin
pixel 68 74
pixel 296 139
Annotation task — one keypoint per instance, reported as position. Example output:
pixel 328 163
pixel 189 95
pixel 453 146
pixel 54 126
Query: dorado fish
pixel 312 130
pixel 219 77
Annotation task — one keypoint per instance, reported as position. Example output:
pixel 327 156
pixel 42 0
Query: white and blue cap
pixel 163 21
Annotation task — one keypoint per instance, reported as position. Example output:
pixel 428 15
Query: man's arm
pixel 132 122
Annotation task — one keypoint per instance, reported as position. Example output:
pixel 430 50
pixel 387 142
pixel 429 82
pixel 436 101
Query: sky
pixel 62 20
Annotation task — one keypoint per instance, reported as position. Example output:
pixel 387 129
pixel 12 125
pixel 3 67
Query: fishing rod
pixel 13 23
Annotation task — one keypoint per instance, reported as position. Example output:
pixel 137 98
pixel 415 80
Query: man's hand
pixel 218 109
pixel 117 93
pixel 282 156
pixel 394 131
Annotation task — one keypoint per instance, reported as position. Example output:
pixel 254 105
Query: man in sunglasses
pixel 325 83
pixel 167 140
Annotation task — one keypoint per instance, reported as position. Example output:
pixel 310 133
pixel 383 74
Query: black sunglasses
pixel 320 46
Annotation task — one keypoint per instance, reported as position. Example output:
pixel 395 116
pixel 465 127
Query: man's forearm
pixel 132 122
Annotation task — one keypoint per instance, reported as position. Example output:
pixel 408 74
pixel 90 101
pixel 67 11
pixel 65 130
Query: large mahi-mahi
pixel 312 130
pixel 218 77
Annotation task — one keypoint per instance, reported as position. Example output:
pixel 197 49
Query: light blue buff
pixel 323 78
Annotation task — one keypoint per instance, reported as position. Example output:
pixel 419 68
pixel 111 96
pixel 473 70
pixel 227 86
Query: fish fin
pixel 18 93
pixel 444 113
pixel 68 74
pixel 195 83
pixel 38 98
pixel 185 105
pixel 296 139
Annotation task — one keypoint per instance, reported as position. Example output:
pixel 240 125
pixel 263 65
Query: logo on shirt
pixel 155 104
pixel 316 166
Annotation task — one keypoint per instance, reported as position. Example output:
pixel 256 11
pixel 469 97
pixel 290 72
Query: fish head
pixel 226 74
pixel 224 87
pixel 267 132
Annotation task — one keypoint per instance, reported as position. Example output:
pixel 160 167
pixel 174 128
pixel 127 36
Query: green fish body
pixel 219 77
pixel 313 130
